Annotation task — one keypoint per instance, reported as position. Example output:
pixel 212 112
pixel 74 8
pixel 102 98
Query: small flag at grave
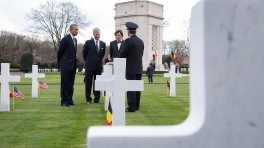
pixel 42 85
pixel 18 94
pixel 168 85
pixel 173 55
pixel 10 94
pixel 109 114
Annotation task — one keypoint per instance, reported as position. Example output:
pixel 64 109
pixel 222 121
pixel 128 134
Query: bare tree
pixel 3 44
pixel 187 36
pixel 53 19
pixel 165 23
pixel 177 47
pixel 11 46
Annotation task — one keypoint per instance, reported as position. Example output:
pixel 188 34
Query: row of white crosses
pixel 107 75
pixel 226 109
pixel 5 78
pixel 48 70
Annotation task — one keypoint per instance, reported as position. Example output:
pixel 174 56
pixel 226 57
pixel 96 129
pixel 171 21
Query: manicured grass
pixel 42 122
pixel 54 78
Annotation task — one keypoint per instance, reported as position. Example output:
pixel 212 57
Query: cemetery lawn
pixel 42 122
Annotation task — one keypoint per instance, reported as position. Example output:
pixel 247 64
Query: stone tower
pixel 149 17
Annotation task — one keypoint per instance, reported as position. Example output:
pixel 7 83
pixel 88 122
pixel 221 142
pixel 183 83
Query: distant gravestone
pixel 106 75
pixel 5 78
pixel 118 85
pixel 34 75
pixel 172 75
pixel 226 99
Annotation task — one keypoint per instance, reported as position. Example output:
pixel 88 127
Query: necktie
pixel 97 47
pixel 119 41
pixel 75 42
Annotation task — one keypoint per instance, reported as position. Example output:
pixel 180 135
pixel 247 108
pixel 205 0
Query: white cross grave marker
pixel 5 78
pixel 172 76
pixel 118 85
pixel 226 108
pixel 34 75
pixel 106 75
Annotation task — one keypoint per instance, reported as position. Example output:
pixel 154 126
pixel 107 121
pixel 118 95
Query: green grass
pixel 54 78
pixel 42 122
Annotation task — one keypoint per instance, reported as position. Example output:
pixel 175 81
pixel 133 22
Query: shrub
pixel 14 65
pixel 26 62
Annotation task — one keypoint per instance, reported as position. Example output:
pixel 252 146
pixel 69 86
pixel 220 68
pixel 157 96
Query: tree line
pixel 52 20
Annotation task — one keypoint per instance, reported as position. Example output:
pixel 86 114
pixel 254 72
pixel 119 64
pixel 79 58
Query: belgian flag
pixel 168 85
pixel 168 88
pixel 173 55
pixel 109 114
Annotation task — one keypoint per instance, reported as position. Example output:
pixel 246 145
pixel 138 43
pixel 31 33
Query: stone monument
pixel 172 75
pixel 149 17
pixel 5 78
pixel 226 99
pixel 106 75
pixel 119 85
pixel 34 75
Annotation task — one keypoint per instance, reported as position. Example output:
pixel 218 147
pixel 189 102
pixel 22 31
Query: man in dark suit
pixel 153 64
pixel 149 72
pixel 93 53
pixel 108 59
pixel 133 51
pixel 66 57
pixel 116 45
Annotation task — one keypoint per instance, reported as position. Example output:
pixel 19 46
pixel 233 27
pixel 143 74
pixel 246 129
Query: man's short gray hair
pixel 72 25
pixel 96 30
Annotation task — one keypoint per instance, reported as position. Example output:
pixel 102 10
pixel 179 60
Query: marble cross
pixel 118 85
pixel 172 76
pixel 5 78
pixel 106 75
pixel 34 75
pixel 226 99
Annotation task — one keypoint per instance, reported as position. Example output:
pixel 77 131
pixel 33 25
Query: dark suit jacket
pixel 153 65
pixel 133 50
pixel 92 58
pixel 66 54
pixel 106 60
pixel 114 52
pixel 150 71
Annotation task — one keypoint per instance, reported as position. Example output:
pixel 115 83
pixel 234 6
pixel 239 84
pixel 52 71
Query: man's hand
pixel 110 63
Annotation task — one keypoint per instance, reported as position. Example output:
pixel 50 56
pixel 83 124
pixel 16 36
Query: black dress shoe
pixel 98 102
pixel 65 105
pixel 73 104
pixel 89 102
pixel 129 110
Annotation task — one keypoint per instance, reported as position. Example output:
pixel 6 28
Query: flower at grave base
pixel 10 94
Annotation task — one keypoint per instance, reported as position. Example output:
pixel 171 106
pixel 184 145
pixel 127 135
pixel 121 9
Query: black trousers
pixel 90 76
pixel 133 97
pixel 67 82
pixel 150 79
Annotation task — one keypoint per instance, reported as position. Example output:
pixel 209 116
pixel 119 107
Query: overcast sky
pixel 100 12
